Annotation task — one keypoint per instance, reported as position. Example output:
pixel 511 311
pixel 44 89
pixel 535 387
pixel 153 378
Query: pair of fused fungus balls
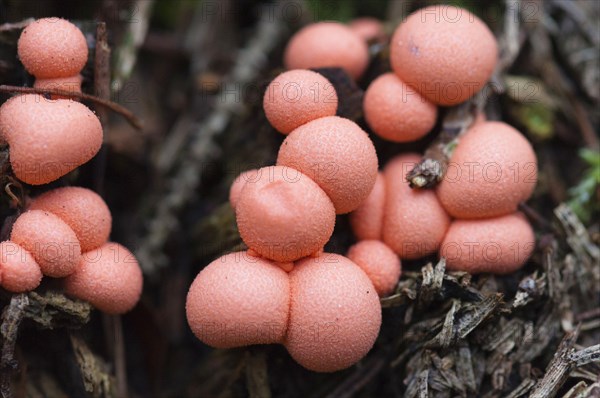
pixel 64 234
pixel 49 138
pixel 440 55
pixel 471 218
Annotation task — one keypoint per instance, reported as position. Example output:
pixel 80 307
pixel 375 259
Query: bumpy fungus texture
pixel 367 28
pixel 239 300
pixel 444 52
pixel 338 155
pixel 327 44
pixel 497 245
pixel 19 271
pixel 297 97
pixel 109 278
pixel 492 169
pixel 414 223
pixel 51 242
pixel 48 138
pixel 239 183
pixel 367 219
pixel 71 84
pixel 82 209
pixel 52 47
pixel 379 262
pixel 396 112
pixel 284 215
pixel 335 313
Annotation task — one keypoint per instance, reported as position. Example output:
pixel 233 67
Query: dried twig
pixel 126 113
pixel 11 319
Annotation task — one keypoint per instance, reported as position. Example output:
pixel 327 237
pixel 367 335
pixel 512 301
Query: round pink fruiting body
pixel 338 155
pixel 444 52
pixel 396 112
pixel 491 171
pixel 52 47
pixel 240 181
pixel 19 271
pixel 368 28
pixel 108 277
pixel 415 222
pixel 51 242
pixel 498 245
pixel 296 97
pixel 335 313
pixel 284 215
pixel 239 300
pixel 48 138
pixel 82 209
pixel 379 262
pixel 367 219
pixel 327 44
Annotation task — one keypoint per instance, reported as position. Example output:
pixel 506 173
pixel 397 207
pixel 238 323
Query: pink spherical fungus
pixel 51 242
pixel 367 219
pixel 379 262
pixel 52 47
pixel 239 300
pixel 368 28
pixel 491 171
pixel 47 138
pixel 396 112
pixel 444 52
pixel 496 245
pixel 338 155
pixel 296 97
pixel 19 272
pixel 335 313
pixel 327 44
pixel 414 223
pixel 284 215
pixel 82 209
pixel 108 277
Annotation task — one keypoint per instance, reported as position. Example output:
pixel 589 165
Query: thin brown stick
pixel 126 113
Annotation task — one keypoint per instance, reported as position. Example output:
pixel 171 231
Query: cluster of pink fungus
pixel 49 138
pixel 324 307
pixel 62 233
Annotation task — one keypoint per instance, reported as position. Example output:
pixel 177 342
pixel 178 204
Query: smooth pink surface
pixel 367 28
pixel 240 181
pixel 338 155
pixel 296 97
pixel 284 215
pixel 444 52
pixel 18 270
pixel 327 44
pixel 335 313
pixel 52 47
pixel 491 171
pixel 82 209
pixel 51 242
pixel 497 245
pixel 367 219
pixel 71 84
pixel 47 138
pixel 379 262
pixel 414 222
pixel 109 278
pixel 396 112
pixel 239 300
